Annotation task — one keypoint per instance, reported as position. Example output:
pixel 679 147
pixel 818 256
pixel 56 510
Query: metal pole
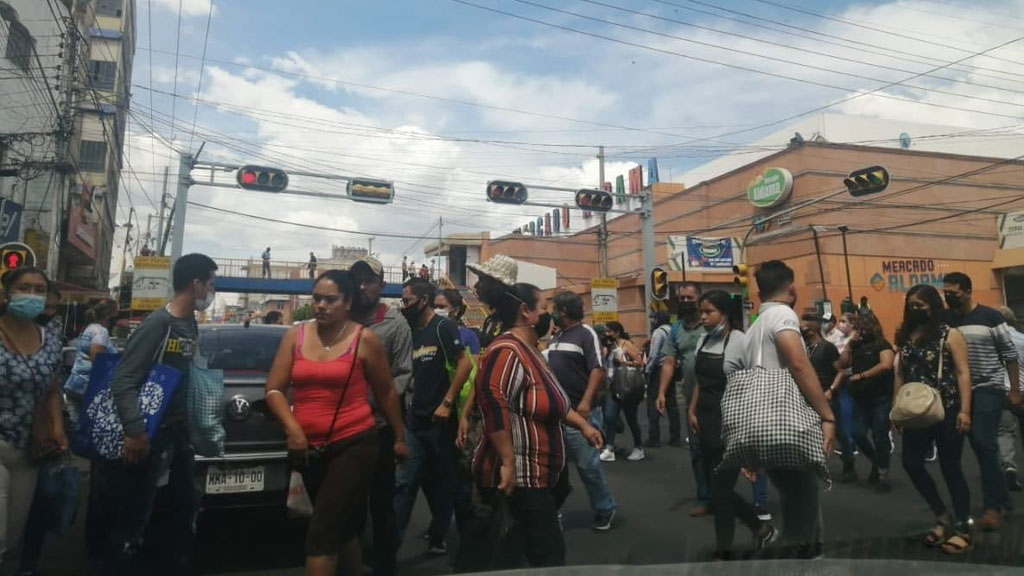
pixel 647 215
pixel 180 205
pixel 163 208
pixel 821 267
pixel 602 232
pixel 370 242
pixel 846 257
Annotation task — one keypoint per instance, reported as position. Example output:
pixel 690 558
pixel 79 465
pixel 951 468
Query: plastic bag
pixel 299 503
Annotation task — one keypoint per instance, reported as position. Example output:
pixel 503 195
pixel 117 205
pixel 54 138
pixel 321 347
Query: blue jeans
pixel 987 407
pixel 588 464
pixel 432 447
pixel 759 489
pixel 615 409
pixel 129 493
pixel 873 414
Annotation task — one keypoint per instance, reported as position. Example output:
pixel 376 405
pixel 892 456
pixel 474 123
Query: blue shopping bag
pixel 56 496
pixel 100 433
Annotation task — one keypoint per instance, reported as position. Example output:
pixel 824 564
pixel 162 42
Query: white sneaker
pixel 636 455
pixel 607 455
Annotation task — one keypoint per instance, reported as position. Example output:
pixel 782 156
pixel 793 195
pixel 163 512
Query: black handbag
pixel 313 459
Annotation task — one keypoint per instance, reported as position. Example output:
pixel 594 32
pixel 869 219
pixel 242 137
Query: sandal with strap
pixel 957 544
pixel 938 536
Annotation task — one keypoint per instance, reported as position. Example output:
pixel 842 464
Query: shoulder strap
pixel 348 379
pixel 301 338
pixel 440 341
pixel 942 355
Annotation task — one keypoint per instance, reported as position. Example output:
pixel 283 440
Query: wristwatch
pixel 447 403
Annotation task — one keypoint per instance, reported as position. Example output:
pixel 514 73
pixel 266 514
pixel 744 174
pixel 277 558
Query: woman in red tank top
pixel 332 365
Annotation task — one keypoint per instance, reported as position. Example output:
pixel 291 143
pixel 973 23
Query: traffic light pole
pixel 647 216
pixel 185 164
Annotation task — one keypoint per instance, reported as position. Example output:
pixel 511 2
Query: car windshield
pixel 240 350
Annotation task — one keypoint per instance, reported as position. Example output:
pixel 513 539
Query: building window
pixel 19 46
pixel 102 75
pixel 111 8
pixel 92 157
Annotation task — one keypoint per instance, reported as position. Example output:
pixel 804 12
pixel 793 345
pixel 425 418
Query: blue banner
pixel 652 171
pixel 10 221
pixel 709 254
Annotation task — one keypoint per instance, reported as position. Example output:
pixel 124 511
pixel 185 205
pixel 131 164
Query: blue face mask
pixel 717 330
pixel 26 306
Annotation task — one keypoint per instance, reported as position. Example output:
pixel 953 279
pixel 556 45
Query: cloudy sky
pixel 442 95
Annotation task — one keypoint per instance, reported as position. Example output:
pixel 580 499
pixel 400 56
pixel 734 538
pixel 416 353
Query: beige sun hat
pixel 498 267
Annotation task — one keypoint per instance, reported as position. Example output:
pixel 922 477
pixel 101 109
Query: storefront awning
pixel 1010 258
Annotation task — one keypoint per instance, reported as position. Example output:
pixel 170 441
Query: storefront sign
pixel 901 275
pixel 702 254
pixel 770 189
pixel 151 285
pixel 1011 230
pixel 604 300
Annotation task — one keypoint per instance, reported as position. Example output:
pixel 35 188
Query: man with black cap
pixel 396 335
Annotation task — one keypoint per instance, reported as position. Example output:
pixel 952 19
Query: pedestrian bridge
pixel 245 276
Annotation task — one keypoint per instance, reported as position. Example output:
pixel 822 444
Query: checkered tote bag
pixel 767 424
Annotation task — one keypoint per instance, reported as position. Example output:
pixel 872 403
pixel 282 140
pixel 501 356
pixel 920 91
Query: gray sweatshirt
pixel 396 335
pixel 142 351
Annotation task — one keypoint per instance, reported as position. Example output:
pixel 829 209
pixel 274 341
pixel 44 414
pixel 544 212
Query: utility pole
pixel 647 216
pixel 149 231
pixel 370 242
pixel 180 204
pixel 602 232
pixel 64 127
pixel 440 240
pixel 160 241
pixel 127 240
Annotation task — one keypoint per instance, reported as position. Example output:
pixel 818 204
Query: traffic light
pixel 506 192
pixel 594 200
pixel 262 179
pixel 740 278
pixel 15 255
pixel 867 181
pixel 659 283
pixel 371 191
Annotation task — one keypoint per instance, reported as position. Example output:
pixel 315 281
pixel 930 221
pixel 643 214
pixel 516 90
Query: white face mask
pixel 442 312
pixel 206 301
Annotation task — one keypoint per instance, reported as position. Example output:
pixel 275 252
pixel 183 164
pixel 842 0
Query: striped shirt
pixel 517 392
pixel 989 345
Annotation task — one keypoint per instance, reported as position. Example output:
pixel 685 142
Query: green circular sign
pixel 770 189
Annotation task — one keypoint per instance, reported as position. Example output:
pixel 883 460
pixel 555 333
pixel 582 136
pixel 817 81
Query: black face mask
pixel 953 301
pixel 362 302
pixel 807 334
pixel 918 316
pixel 412 313
pixel 687 308
pixel 543 325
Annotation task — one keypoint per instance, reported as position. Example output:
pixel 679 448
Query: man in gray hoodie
pixel 165 336
pixel 396 335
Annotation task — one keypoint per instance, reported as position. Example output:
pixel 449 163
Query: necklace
pixel 336 336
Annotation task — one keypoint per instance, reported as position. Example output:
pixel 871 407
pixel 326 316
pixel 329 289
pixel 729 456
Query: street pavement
pixel 653 525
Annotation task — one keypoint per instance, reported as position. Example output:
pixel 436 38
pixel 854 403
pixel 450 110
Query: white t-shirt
pixel 774 319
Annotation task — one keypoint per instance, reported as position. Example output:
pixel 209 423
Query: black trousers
pixel 536 533
pixel 726 504
pixel 381 504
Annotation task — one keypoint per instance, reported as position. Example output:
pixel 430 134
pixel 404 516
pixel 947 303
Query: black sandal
pixel 958 544
pixel 938 536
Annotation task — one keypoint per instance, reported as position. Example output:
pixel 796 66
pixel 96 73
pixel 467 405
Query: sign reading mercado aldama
pixel 770 189
pixel 151 282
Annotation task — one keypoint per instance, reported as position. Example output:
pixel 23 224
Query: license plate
pixel 231 480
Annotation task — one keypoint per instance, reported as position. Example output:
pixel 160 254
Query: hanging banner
pixel 604 300
pixel 652 172
pixel 547 224
pixel 556 220
pixel 1011 230
pixel 636 180
pixel 565 217
pixel 703 254
pixel 620 189
pixel 151 282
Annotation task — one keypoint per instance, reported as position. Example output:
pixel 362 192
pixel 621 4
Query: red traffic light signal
pixel 262 179
pixel 594 200
pixel 506 192
pixel 13 259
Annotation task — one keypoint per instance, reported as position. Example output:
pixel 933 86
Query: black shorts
pixel 338 491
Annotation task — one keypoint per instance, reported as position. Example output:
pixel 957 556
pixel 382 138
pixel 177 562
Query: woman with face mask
pixel 622 355
pixel 30 399
pixel 93 341
pixel 719 314
pixel 519 394
pixel 923 340
pixel 840 335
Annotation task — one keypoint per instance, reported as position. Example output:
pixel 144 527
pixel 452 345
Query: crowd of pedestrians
pixel 380 404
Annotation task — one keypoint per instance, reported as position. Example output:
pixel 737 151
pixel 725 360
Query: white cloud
pixel 188 7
